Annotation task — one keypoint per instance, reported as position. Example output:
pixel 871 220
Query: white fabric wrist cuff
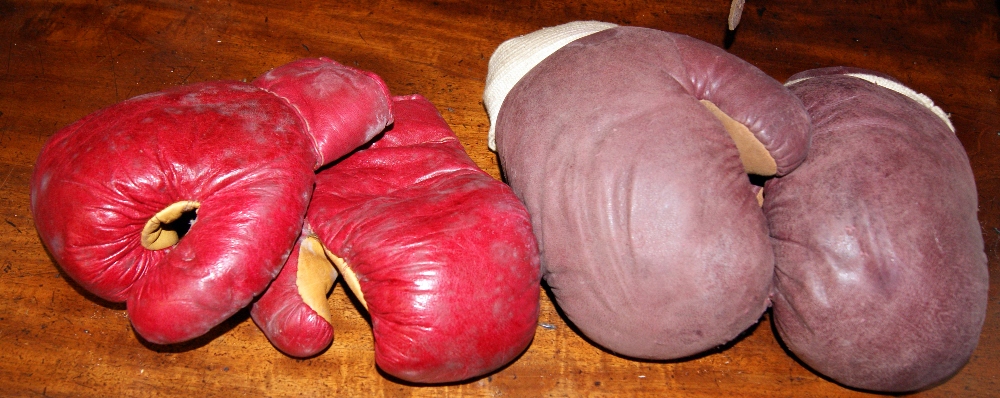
pixel 515 57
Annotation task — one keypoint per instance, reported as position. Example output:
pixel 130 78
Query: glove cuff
pixel 515 57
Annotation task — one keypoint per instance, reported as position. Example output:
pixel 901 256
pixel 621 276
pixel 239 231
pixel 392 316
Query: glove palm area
pixel 440 253
pixel 232 161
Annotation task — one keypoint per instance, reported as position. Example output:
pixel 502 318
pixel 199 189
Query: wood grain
pixel 60 60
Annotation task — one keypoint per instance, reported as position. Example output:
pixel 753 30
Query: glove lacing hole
pixel 169 225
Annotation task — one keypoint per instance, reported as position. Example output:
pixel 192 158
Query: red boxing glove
pixel 440 253
pixel 233 161
pixel 650 234
pixel 881 279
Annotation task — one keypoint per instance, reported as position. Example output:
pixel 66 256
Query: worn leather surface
pixel 246 155
pixel 652 240
pixel 443 253
pixel 881 280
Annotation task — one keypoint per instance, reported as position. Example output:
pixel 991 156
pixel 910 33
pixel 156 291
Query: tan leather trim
pixel 349 276
pixel 315 277
pixel 154 237
pixel 756 159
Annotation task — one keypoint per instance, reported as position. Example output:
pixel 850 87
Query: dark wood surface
pixel 60 60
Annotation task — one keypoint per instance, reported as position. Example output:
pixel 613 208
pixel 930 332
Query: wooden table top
pixel 60 60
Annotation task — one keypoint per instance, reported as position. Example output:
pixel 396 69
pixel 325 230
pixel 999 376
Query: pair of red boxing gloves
pixel 631 149
pixel 193 203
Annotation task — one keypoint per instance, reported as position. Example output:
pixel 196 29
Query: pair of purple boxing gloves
pixel 677 192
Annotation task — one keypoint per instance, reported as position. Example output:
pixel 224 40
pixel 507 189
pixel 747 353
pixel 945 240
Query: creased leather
pixel 244 154
pixel 444 255
pixel 651 237
pixel 881 279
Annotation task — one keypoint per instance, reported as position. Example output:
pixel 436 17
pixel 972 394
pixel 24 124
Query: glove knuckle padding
pixel 881 278
pixel 441 253
pixel 650 235
pixel 335 99
pixel 241 156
